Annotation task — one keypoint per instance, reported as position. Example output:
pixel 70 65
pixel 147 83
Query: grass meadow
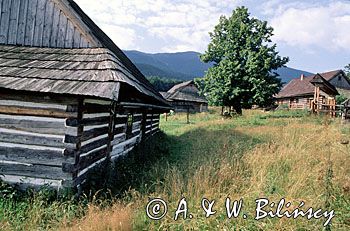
pixel 283 154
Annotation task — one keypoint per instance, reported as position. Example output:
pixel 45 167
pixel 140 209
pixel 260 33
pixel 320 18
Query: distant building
pixel 299 93
pixel 185 96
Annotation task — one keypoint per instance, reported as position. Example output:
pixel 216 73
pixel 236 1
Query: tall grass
pixel 288 155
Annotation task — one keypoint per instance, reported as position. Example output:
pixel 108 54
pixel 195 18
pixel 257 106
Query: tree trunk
pixel 238 108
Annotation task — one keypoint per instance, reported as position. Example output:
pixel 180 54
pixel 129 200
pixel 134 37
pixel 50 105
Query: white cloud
pixel 176 24
pixel 313 26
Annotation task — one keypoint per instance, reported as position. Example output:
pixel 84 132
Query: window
pixel 129 122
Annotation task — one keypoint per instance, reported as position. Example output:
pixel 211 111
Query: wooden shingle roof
pixel 178 93
pixel 89 71
pixel 61 50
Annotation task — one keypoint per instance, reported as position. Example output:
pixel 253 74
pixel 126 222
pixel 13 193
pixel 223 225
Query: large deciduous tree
pixel 244 61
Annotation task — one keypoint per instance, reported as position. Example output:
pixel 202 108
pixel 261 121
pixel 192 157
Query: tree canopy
pixel 347 70
pixel 162 84
pixel 244 61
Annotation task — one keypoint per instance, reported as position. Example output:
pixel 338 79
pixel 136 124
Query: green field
pixel 273 155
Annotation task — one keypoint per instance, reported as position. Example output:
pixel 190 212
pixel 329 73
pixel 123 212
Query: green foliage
pixel 341 98
pixel 347 70
pixel 244 63
pixel 162 84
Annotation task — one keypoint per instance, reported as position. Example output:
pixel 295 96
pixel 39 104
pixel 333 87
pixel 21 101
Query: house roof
pixel 89 71
pixel 178 93
pixel 298 87
pixel 85 71
pixel 179 86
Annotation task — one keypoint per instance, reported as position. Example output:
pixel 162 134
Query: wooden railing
pixel 342 110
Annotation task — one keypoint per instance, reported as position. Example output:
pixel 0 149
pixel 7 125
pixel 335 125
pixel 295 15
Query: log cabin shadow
pixel 144 167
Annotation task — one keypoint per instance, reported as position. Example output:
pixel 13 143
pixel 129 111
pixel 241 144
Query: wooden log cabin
pixel 70 100
pixel 301 92
pixel 184 97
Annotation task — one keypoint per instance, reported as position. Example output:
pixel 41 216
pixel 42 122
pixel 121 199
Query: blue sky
pixel 315 34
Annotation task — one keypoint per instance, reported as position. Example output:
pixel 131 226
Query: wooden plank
pixel 96 101
pixel 35 105
pixel 13 27
pixel 48 23
pixel 95 108
pixel 18 137
pixel 94 145
pixel 5 20
pixel 86 160
pixel 30 23
pixel 87 135
pixel 33 124
pixel 95 115
pixel 32 156
pixel 79 23
pixel 28 182
pixel 39 23
pixel 69 35
pixel 118 139
pixel 55 26
pixel 36 98
pixel 83 42
pixel 136 126
pixel 23 10
pixel 13 110
pixel 84 174
pixel 33 170
pixel 76 38
pixel 88 121
pixel 62 30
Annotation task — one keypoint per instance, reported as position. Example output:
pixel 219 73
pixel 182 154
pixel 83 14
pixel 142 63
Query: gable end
pixel 43 23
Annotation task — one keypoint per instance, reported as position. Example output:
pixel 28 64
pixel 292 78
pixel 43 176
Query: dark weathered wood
pixel 87 121
pixel 95 108
pixel 94 145
pixel 11 136
pixel 5 20
pixel 86 160
pixel 143 125
pixel 32 156
pixel 28 124
pixel 119 139
pixel 36 171
pixel 38 98
pixel 136 125
pixel 86 135
pixel 83 177
pixel 80 130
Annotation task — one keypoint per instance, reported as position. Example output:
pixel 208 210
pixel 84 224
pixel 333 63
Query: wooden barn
pixel 70 99
pixel 185 97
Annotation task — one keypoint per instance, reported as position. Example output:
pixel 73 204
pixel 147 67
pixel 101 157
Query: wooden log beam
pixel 16 110
pixel 18 137
pixel 33 155
pixel 85 160
pixel 33 170
pixel 43 125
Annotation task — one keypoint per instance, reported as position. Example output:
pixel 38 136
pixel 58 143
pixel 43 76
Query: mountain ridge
pixel 187 65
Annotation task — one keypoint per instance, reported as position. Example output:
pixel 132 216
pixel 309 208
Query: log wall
pixel 32 133
pixel 59 141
